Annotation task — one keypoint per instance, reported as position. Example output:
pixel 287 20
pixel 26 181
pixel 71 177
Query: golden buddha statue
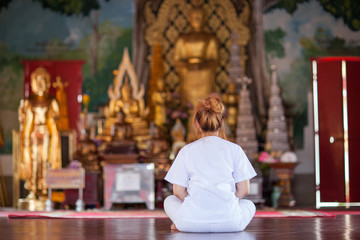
pixel 86 152
pixel 231 102
pixel 131 108
pixel 178 138
pixel 126 96
pixel 157 147
pixel 40 145
pixel 122 130
pixel 61 97
pixel 196 59
pixel 159 98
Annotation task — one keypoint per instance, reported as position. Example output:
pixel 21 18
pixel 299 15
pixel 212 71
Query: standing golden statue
pixel 156 72
pixel 159 97
pixel 196 59
pixel 61 97
pixel 40 145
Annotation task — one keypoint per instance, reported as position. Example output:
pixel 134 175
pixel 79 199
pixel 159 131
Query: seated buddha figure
pixel 196 59
pixel 134 114
pixel 122 130
pixel 131 111
pixel 157 147
pixel 86 151
pixel 131 108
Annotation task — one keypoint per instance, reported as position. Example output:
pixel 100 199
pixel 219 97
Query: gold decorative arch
pixel 126 69
pixel 167 23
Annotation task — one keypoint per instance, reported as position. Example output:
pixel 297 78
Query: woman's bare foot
pixel 173 228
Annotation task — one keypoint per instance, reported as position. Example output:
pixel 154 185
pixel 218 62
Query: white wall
pixel 306 155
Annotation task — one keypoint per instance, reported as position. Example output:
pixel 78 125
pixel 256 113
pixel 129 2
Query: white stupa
pixel 245 130
pixel 277 134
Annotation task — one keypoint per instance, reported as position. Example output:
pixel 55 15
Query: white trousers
pixel 172 205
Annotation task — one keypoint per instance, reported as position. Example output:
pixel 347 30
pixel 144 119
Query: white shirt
pixel 209 169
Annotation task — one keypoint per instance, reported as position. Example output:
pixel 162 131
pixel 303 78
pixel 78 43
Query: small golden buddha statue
pixel 196 59
pixel 159 98
pixel 178 138
pixel 231 102
pixel 157 147
pixel 39 144
pixel 61 97
pixel 122 130
pixel 86 152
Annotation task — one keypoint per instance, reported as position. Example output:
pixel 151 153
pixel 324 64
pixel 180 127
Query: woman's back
pixel 209 176
pixel 207 168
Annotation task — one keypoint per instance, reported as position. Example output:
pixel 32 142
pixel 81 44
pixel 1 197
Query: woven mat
pixel 97 214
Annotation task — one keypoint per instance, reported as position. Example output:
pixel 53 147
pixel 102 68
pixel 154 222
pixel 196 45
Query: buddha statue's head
pixel 40 82
pixel 197 18
pixel 126 90
pixel 160 84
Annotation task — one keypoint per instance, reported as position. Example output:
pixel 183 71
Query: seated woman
pixel 210 178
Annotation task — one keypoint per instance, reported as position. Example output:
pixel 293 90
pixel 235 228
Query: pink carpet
pixel 97 214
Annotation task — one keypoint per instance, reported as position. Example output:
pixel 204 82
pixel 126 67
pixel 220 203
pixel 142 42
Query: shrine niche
pixel 170 20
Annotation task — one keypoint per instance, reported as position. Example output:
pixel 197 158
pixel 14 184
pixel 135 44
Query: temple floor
pixel 343 226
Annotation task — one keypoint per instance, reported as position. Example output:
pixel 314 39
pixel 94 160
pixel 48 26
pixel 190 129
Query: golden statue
pixel 231 101
pixel 122 130
pixel 178 138
pixel 157 147
pixel 156 72
pixel 126 96
pixel 159 98
pixel 86 152
pixel 86 149
pixel 131 108
pixel 196 59
pixel 40 145
pixel 61 97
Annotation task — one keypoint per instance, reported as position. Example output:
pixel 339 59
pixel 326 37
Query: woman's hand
pixel 180 192
pixel 242 189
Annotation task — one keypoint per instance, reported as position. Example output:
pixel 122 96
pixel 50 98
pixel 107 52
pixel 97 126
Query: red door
pixel 338 97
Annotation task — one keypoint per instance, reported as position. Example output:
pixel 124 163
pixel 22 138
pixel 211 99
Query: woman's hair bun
pixel 214 103
pixel 209 115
